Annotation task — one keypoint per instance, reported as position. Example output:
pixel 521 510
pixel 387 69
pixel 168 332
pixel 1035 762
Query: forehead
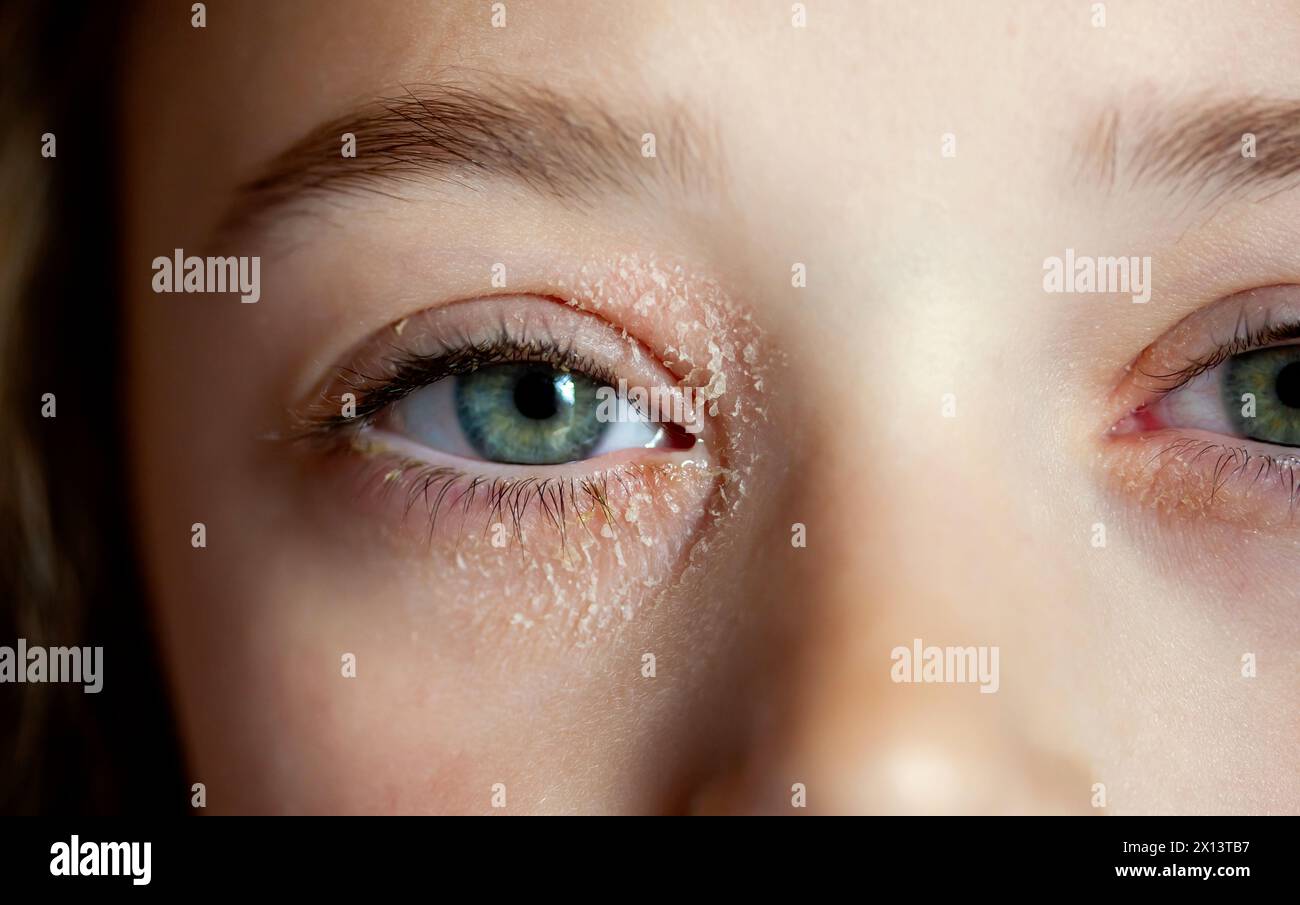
pixel 856 91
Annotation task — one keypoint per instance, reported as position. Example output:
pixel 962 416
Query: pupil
pixel 1288 385
pixel 535 395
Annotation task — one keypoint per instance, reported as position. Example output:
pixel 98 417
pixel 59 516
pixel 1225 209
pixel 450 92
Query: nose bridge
pixel 914 687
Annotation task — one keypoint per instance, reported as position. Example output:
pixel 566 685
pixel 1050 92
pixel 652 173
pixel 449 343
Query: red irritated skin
pixel 1140 421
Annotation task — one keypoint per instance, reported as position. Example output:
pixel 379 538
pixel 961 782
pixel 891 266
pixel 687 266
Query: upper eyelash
pixel 1244 339
pixel 409 371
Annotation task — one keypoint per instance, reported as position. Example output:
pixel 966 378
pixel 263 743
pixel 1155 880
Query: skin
pixel 1120 665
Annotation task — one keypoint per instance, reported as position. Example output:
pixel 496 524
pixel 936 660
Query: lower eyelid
pixel 1196 474
pixel 657 500
pixel 538 563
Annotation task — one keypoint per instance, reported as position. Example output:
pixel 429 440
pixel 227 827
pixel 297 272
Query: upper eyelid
pixel 576 318
pixel 674 305
pixel 1245 340
pixel 371 360
pixel 411 372
pixel 1231 324
pixel 1196 343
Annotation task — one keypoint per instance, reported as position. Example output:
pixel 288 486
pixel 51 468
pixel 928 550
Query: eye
pixel 518 394
pixel 528 413
pixel 1251 395
pixel 1213 414
pixel 522 412
pixel 1260 391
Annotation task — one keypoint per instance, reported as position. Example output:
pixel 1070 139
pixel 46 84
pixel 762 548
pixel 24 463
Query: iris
pixel 1271 377
pixel 528 413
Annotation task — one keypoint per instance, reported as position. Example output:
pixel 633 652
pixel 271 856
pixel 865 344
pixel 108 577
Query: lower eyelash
pixel 445 491
pixel 1226 463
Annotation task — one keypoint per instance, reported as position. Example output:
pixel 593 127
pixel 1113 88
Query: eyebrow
pixel 1196 149
pixel 573 150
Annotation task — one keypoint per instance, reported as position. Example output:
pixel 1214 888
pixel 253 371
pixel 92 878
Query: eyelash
pixel 1244 339
pixel 408 372
pixel 1231 461
pixel 1287 472
pixel 508 500
pixel 443 488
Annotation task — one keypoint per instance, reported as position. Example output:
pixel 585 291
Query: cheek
pixel 334 656
pixel 474 662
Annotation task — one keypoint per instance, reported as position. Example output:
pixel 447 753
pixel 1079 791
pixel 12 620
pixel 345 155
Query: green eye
pixel 528 414
pixel 1271 378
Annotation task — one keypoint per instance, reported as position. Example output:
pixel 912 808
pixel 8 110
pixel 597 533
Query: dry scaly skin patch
pixel 655 530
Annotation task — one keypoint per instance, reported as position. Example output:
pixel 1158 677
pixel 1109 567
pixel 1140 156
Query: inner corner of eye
pixel 678 436
pixel 1254 395
pixel 1140 420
